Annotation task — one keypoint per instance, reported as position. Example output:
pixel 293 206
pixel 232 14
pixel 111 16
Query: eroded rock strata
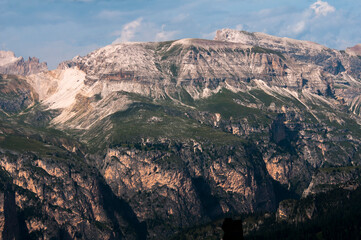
pixel 144 140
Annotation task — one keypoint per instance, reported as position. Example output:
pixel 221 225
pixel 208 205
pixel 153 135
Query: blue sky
pixel 57 30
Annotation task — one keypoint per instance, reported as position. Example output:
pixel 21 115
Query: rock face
pixel 15 94
pixel 355 50
pixel 9 64
pixel 190 193
pixel 47 199
pixel 141 140
pixel 270 42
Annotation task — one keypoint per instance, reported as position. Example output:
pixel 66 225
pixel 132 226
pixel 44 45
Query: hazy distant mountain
pixel 9 64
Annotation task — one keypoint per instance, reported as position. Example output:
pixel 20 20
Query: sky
pixel 58 30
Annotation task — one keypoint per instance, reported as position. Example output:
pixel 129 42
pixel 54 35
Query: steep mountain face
pixel 330 63
pixel 50 198
pixel 9 64
pixel 158 137
pixel 15 94
pixel 331 215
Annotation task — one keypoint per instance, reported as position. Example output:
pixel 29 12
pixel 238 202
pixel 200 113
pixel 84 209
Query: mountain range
pixel 146 140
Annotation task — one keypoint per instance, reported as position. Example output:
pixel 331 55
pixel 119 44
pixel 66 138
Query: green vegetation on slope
pixel 151 121
pixel 224 104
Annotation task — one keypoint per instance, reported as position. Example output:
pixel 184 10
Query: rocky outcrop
pixel 331 178
pixel 193 192
pixel 286 45
pixel 332 215
pixel 9 64
pixel 321 207
pixel 15 94
pixel 355 50
pixel 45 198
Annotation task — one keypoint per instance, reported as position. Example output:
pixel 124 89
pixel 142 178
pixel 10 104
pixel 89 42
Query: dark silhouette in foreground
pixel 232 229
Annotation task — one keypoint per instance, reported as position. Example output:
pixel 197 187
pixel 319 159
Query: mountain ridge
pixel 9 64
pixel 179 133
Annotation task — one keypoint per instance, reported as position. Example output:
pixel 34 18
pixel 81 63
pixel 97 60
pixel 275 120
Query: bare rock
pixel 9 64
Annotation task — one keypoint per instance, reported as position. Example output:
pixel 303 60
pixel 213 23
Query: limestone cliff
pixel 9 64
pixel 153 138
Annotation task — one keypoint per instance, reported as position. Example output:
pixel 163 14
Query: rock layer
pixel 152 138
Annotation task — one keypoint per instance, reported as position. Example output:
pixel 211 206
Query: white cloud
pixel 143 31
pixel 317 21
pixel 303 22
pixel 299 27
pixel 129 30
pixel 322 8
pixel 165 35
pixel 308 19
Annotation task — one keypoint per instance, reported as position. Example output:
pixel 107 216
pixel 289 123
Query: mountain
pixel 9 64
pixel 144 140
pixel 331 215
pixel 355 50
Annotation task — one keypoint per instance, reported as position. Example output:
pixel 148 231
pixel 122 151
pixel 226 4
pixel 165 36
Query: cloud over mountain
pixel 322 8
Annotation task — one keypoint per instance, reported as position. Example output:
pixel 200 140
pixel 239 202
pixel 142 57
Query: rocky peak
pixel 355 50
pixel 7 57
pixel 304 52
pixel 281 44
pixel 10 64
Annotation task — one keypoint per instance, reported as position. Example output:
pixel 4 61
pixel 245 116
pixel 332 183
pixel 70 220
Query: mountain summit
pixel 281 44
pixel 143 140
pixel 9 64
